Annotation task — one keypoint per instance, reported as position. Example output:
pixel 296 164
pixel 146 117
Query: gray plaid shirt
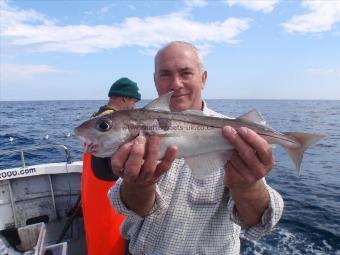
pixel 191 216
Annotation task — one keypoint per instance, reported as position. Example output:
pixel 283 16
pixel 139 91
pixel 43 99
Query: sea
pixel 311 219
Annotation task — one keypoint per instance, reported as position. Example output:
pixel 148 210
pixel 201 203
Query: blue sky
pixel 266 49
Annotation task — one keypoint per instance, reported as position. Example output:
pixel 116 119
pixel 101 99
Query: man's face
pixel 177 68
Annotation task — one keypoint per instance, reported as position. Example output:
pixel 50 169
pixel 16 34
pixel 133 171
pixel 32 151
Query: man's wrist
pixel 251 202
pixel 138 198
pixel 248 190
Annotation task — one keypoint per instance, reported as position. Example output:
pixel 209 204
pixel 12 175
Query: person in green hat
pixel 100 220
pixel 123 95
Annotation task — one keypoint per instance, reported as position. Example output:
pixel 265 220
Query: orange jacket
pixel 101 221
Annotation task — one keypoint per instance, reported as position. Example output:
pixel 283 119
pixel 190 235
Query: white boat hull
pixel 48 193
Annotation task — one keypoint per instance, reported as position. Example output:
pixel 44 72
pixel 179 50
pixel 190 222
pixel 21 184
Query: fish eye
pixel 104 124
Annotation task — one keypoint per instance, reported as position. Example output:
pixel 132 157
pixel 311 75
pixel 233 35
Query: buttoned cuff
pixel 159 206
pixel 269 218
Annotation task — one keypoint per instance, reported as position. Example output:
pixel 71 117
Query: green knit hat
pixel 126 88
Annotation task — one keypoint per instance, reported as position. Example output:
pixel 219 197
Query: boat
pixel 40 207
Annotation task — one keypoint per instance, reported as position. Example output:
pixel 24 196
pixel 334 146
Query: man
pixel 100 219
pixel 168 211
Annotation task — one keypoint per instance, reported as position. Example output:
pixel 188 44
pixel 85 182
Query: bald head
pixel 181 45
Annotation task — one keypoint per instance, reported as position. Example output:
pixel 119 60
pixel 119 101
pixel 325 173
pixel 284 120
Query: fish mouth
pixel 90 147
pixel 90 144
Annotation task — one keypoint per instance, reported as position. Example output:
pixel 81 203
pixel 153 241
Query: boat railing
pixel 51 188
pixel 38 147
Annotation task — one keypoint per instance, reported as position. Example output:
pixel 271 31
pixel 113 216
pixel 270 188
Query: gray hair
pixel 190 45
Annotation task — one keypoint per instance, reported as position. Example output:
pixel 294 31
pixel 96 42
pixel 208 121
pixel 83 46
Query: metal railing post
pixel 22 158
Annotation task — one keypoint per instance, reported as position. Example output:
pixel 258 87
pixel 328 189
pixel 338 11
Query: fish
pixel 197 135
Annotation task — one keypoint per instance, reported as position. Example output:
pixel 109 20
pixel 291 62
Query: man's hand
pixel 137 163
pixel 250 162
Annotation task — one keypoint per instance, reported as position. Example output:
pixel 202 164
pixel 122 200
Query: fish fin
pixel 253 116
pixel 203 165
pixel 161 103
pixel 305 140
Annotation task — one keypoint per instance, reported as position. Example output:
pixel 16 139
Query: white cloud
pixel 11 16
pixel 321 71
pixel 321 17
pixel 17 72
pixel 103 10
pixel 265 6
pixel 132 7
pixel 203 48
pixel 148 52
pixel 106 8
pixel 195 3
pixel 149 32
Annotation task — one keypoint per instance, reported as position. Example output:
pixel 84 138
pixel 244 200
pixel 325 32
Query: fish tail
pixel 305 140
